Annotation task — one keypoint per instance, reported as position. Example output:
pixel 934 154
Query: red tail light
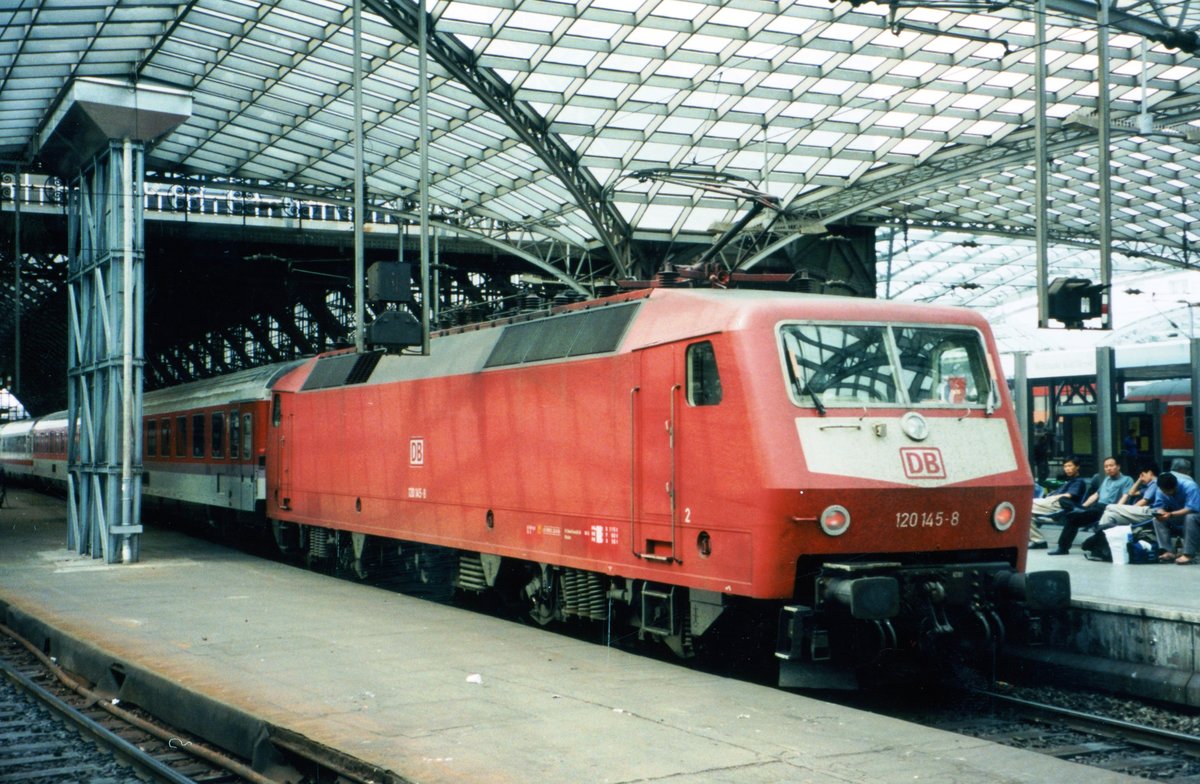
pixel 1003 516
pixel 835 520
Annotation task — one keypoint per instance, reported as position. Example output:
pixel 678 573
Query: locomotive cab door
pixel 655 406
pixel 280 474
pixel 678 384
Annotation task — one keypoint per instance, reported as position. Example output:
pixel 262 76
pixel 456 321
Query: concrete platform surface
pixel 436 694
pixel 1166 590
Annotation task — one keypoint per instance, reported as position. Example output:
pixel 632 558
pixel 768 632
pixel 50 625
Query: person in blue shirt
pixel 1069 495
pixel 1176 506
pixel 1112 489
pixel 1133 508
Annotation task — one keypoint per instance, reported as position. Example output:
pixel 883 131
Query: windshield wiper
pixel 816 399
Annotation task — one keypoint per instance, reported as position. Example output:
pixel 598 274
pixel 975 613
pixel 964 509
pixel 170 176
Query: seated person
pixel 1072 492
pixel 1133 508
pixel 1114 487
pixel 1176 506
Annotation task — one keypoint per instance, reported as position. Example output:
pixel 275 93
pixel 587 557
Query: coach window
pixel 218 434
pixel 247 435
pixel 181 436
pixel 235 439
pixel 198 435
pixel 704 382
pixel 151 438
pixel 164 433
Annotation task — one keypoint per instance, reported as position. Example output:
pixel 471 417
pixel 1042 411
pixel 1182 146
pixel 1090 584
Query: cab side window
pixel 703 380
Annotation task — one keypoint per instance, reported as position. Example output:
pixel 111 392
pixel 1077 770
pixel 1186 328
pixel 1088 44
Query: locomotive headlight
pixel 835 520
pixel 914 426
pixel 1003 516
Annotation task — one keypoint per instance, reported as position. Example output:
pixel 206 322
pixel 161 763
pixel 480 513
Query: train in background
pixel 834 480
pixel 1155 417
pixel 1178 418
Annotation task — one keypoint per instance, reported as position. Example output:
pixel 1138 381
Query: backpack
pixel 1142 546
pixel 1095 547
pixel 1142 551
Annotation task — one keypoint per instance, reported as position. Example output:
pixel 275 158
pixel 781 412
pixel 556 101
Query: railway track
pixel 54 729
pixel 44 744
pixel 1099 741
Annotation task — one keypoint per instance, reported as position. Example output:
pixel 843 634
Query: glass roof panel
pixel 892 107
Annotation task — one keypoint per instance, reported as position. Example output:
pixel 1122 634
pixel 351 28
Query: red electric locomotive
pixel 673 456
pixel 837 477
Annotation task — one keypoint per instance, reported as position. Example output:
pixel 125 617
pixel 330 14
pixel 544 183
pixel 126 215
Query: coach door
pixel 241 457
pixel 654 405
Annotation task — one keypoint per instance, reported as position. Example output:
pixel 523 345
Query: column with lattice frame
pixel 97 140
pixel 105 356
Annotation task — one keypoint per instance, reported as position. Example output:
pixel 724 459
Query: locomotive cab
pixel 914 513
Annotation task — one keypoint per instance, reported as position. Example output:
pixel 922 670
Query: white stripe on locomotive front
pixel 870 448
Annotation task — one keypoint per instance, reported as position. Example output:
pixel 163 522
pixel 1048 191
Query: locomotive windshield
pixel 869 364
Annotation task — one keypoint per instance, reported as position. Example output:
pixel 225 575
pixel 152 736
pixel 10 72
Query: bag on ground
pixel 1095 547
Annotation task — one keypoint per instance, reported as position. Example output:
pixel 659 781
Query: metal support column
pixel 1195 351
pixel 105 355
pixel 17 292
pixel 96 138
pixel 424 141
pixel 360 310
pixel 1106 443
pixel 1104 164
pixel 1021 397
pixel 1041 191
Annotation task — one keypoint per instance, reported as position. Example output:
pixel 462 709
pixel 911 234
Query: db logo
pixel 923 463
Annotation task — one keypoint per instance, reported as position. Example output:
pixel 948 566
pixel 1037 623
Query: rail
pixel 1129 732
pixel 144 762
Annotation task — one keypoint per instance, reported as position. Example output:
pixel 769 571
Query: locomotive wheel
pixel 357 556
pixel 543 596
pixel 287 538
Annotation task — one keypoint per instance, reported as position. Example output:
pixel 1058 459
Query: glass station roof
pixel 548 116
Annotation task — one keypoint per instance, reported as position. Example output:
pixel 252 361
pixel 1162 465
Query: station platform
pixel 1132 628
pixel 431 694
pixel 1165 588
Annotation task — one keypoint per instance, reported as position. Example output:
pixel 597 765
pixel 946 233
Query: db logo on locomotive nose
pixel 923 463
